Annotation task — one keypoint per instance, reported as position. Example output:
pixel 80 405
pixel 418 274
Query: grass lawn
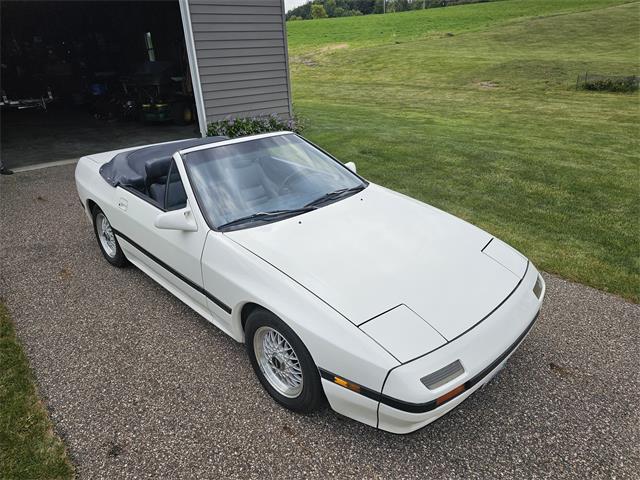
pixel 28 447
pixel 474 109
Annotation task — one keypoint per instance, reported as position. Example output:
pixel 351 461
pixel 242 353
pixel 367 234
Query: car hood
pixel 378 249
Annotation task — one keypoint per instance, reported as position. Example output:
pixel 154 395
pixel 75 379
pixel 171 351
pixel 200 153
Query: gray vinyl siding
pixel 241 52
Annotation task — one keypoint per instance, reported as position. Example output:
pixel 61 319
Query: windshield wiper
pixel 271 214
pixel 342 192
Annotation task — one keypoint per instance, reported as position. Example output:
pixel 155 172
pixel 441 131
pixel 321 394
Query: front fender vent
pixel 443 376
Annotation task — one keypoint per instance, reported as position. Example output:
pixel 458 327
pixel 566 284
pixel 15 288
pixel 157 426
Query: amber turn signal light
pixel 449 395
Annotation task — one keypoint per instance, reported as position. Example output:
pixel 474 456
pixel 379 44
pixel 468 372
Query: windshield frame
pixel 223 229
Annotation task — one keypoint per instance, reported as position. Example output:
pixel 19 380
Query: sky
pixel 289 4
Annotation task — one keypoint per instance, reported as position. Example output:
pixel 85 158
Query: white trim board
pixel 39 166
pixel 193 66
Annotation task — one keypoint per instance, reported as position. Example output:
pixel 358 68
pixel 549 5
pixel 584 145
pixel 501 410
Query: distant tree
pixel 330 7
pixel 303 11
pixel 318 11
pixel 335 8
pixel 364 6
pixel 341 12
pixel 398 5
pixel 344 8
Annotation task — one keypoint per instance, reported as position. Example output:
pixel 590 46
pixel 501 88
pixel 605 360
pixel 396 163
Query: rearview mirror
pixel 177 220
pixel 351 166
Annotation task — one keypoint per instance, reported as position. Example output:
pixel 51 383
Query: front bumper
pixel 405 404
pixel 482 351
pixel 409 417
pixel 401 422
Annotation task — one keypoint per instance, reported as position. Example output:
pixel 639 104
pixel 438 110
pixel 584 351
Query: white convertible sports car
pixel 343 290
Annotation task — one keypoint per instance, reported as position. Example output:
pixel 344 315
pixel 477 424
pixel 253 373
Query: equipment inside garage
pixel 81 77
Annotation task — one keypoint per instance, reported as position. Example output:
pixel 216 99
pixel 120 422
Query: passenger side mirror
pixel 351 166
pixel 177 220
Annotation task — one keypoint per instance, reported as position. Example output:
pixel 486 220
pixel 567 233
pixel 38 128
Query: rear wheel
pixel 282 363
pixel 107 240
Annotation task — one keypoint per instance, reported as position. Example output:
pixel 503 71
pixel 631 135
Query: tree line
pixel 347 8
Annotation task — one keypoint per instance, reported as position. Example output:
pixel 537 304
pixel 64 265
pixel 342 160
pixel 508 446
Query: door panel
pixel 179 251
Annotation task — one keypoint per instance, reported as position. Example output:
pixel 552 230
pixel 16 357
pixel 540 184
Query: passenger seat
pixel 251 179
pixel 156 171
pixel 176 197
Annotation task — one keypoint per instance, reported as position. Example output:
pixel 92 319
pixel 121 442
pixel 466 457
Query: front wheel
pixel 282 363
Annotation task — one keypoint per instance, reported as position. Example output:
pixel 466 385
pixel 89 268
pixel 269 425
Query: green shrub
pixel 240 127
pixel 608 83
pixel 318 11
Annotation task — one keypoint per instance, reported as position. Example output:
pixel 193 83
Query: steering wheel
pixel 294 176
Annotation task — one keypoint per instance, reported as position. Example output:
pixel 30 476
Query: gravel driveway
pixel 140 386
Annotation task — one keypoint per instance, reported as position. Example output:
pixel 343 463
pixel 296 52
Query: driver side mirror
pixel 351 166
pixel 177 220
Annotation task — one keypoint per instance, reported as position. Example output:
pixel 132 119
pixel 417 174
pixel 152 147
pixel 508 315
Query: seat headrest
pixel 156 168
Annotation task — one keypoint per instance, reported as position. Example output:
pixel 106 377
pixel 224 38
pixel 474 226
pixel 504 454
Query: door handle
pixel 123 204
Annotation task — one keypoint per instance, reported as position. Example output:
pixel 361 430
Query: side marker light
pixel 343 383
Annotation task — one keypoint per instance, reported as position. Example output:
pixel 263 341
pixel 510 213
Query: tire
pixel 263 330
pixel 107 242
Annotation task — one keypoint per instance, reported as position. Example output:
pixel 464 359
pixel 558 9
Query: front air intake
pixel 537 288
pixel 443 376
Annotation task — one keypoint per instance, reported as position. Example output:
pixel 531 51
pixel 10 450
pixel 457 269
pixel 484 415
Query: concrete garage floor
pixel 33 136
pixel 140 386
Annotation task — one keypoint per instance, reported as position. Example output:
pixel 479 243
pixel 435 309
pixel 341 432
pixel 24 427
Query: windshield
pixel 265 180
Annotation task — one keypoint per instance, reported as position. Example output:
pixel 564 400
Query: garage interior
pixel 82 77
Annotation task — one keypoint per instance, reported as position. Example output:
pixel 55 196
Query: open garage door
pixel 81 77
